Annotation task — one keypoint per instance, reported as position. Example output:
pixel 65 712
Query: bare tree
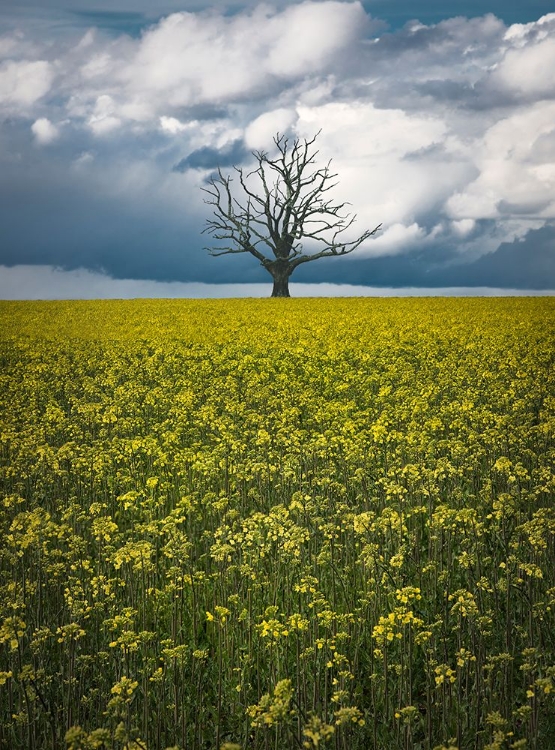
pixel 282 203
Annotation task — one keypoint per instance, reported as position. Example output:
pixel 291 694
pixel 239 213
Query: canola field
pixel 273 524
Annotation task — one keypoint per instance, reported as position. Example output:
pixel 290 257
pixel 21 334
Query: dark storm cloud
pixel 212 158
pixel 525 264
pixel 122 242
pixel 48 214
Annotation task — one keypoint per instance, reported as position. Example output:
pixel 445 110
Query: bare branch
pixel 280 203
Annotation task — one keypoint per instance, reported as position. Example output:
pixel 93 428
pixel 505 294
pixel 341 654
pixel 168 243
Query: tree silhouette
pixel 279 205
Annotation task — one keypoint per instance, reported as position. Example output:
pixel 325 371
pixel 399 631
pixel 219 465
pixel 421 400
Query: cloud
pixel 190 58
pixel 103 120
pixel 212 158
pixel 260 132
pixel 173 126
pixel 304 38
pixel 443 132
pixel 7 46
pixel 44 131
pixel 512 180
pixel 50 283
pixel 527 262
pixel 22 83
pixel 519 32
pixel 527 69
pixel 452 55
pixel 396 238
pixel 393 166
pixel 463 227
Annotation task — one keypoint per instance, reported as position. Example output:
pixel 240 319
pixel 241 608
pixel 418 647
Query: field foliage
pixel 277 524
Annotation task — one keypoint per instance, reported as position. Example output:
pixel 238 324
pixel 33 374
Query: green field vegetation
pixel 278 524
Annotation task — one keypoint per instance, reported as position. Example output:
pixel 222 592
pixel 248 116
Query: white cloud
pixel 373 152
pixel 173 126
pixel 305 37
pixel 87 40
pixel 528 70
pixel 189 58
pixel 358 130
pixel 44 131
pixel 97 65
pixel 518 32
pixel 463 227
pixel 394 239
pixel 103 120
pixel 261 131
pixel 510 181
pixel 25 82
pixel 103 124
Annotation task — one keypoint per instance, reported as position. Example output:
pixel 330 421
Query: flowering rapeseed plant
pixel 258 523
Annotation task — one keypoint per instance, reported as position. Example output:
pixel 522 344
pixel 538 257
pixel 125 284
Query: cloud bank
pixel 444 133
pixel 48 283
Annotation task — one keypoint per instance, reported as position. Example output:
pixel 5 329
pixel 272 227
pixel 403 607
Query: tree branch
pixel 284 202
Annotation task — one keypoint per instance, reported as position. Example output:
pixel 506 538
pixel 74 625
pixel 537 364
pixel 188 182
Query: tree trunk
pixel 281 282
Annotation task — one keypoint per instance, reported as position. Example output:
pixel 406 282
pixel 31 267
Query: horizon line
pixel 48 283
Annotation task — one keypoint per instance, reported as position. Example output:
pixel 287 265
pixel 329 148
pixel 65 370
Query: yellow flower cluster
pixel 277 523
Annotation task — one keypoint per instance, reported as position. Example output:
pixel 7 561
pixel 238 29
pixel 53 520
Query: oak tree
pixel 280 212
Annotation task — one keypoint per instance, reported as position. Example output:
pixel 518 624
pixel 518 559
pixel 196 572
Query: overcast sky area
pixel 439 119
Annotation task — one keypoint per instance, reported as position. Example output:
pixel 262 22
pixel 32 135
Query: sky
pixel 439 119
